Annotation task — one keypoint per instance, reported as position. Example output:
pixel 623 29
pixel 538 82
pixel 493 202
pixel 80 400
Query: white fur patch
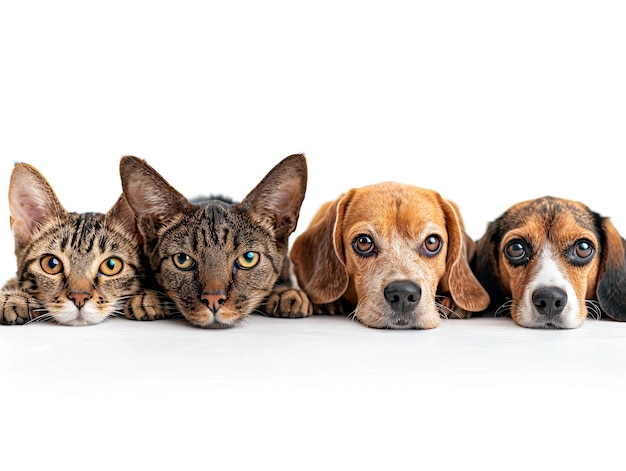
pixel 69 314
pixel 549 273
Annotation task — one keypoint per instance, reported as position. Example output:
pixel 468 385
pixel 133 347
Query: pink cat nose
pixel 79 298
pixel 214 300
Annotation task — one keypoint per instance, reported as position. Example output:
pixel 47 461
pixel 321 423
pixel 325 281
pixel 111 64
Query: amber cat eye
pixel 111 266
pixel 183 261
pixel 248 260
pixel 51 265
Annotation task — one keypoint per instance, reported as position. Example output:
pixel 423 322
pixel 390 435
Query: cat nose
pixel 214 300
pixel 79 298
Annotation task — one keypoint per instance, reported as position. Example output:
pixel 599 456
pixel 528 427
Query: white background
pixel 487 102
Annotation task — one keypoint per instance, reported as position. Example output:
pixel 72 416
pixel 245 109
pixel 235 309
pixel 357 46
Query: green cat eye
pixel 111 266
pixel 183 261
pixel 248 260
pixel 51 265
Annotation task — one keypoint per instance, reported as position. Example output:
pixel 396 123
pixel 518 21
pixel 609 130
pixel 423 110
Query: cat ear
pixel 124 215
pixel 32 202
pixel 278 197
pixel 153 201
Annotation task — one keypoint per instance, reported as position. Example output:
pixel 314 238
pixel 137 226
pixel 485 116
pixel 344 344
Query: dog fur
pixel 391 254
pixel 548 262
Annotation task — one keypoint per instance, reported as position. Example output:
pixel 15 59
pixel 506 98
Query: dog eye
pixel 432 245
pixel 517 252
pixel 183 261
pixel 364 245
pixel 581 252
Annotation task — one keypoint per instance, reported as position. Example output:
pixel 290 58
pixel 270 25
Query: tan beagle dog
pixel 550 262
pixel 393 255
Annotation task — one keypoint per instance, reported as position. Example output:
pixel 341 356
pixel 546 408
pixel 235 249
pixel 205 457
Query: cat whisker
pixel 40 318
pixel 252 318
pixel 260 311
pixel 116 313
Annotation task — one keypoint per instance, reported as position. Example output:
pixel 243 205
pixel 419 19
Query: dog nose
pixel 214 300
pixel 549 301
pixel 403 295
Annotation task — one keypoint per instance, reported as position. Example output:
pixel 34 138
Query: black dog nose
pixel 403 296
pixel 549 301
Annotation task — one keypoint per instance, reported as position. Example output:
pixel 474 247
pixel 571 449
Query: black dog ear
pixel 485 264
pixel 611 288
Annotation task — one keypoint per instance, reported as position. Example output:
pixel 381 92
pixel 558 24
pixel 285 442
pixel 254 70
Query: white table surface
pixel 317 393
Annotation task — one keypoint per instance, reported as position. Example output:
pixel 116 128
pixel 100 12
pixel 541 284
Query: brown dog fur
pixel 403 222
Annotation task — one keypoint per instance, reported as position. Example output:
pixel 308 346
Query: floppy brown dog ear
pixel 317 254
pixel 611 289
pixel 459 279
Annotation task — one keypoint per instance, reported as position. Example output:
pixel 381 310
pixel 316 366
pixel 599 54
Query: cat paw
pixel 17 309
pixel 288 302
pixel 149 305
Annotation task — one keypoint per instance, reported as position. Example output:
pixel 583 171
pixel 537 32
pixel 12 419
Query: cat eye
pixel 184 261
pixel 111 266
pixel 432 245
pixel 248 260
pixel 51 265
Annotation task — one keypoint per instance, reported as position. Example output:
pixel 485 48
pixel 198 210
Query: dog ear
pixel 611 289
pixel 485 263
pixel 459 279
pixel 317 255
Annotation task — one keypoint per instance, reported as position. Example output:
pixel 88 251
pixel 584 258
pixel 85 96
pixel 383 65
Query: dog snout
pixel 403 295
pixel 549 301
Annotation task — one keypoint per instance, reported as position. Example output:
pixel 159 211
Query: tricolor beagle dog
pixel 550 262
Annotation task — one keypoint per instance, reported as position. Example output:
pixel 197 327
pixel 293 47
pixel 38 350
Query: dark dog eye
pixel 517 252
pixel 363 245
pixel 581 252
pixel 432 245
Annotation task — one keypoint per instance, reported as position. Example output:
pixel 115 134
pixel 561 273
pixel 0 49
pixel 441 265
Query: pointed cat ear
pixel 32 202
pixel 153 201
pixel 278 197
pixel 124 215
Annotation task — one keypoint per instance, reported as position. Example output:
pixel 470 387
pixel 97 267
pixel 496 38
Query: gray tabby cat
pixel 73 268
pixel 219 261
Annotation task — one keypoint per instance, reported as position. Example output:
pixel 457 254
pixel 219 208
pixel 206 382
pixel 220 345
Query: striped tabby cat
pixel 73 268
pixel 219 261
